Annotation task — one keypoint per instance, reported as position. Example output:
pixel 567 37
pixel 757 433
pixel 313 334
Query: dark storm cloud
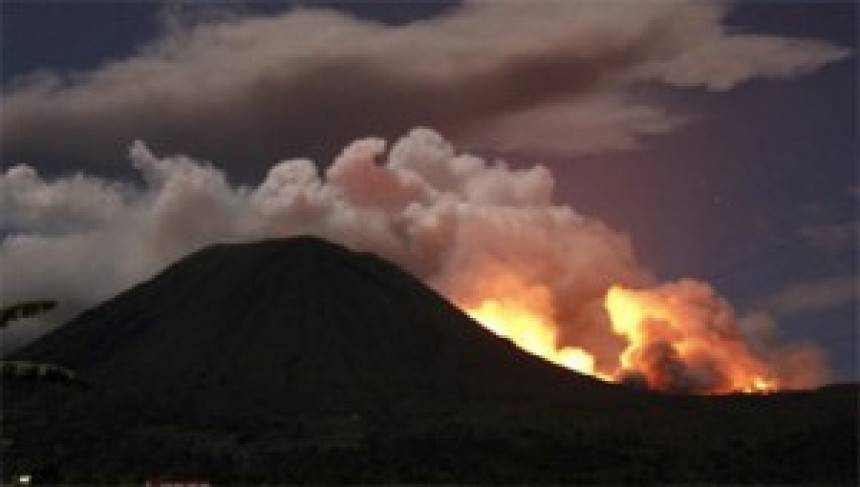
pixel 514 75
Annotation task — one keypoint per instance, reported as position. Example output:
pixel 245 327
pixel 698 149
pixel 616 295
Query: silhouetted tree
pixel 24 310
pixel 25 370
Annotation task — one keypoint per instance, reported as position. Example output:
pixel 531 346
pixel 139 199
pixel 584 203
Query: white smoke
pixel 450 219
pixel 81 239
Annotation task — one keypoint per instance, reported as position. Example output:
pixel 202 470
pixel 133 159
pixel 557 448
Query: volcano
pixel 297 360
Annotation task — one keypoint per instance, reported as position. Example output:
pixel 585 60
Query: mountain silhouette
pixel 294 360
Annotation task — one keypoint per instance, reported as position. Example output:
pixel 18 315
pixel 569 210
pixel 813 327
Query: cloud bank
pixel 454 220
pixel 551 78
pixel 812 295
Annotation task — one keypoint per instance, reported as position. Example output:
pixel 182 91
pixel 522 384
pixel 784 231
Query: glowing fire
pixel 670 334
pixel 673 343
pixel 531 332
pixel 524 315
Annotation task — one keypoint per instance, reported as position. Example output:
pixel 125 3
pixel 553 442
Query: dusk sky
pixel 720 137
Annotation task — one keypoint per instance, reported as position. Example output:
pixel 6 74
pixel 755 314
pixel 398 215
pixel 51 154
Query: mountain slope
pixel 299 360
pixel 303 324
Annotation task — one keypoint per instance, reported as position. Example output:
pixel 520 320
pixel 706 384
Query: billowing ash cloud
pixel 510 75
pixel 469 227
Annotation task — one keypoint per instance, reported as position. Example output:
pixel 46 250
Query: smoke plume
pixel 478 231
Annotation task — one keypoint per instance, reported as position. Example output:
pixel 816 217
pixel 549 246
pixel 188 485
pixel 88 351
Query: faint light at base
pixel 24 479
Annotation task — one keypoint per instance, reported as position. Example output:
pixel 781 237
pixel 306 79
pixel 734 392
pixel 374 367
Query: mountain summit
pixel 299 360
pixel 299 324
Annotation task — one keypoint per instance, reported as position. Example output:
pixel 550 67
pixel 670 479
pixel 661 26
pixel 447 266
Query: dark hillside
pixel 299 360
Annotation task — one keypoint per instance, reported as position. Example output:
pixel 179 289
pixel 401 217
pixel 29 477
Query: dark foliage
pixel 25 370
pixel 27 309
pixel 22 370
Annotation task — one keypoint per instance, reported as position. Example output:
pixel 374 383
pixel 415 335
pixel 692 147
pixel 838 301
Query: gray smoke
pixel 462 224
pixel 549 77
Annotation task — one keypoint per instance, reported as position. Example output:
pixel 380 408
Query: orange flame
pixel 670 335
pixel 523 314
pixel 671 345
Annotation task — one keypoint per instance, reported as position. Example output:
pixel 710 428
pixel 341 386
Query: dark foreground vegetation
pixel 297 361
pixel 801 438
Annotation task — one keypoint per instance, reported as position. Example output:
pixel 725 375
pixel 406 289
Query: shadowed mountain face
pixel 299 360
pixel 300 325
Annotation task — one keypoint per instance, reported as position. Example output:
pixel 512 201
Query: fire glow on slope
pixel 524 315
pixel 669 345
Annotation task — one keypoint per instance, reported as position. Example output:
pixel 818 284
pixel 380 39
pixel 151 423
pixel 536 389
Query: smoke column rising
pixel 477 231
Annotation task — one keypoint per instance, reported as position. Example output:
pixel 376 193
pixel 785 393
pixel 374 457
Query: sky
pixel 719 137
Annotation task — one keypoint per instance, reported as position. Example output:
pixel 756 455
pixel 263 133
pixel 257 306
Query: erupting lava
pixel 680 336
